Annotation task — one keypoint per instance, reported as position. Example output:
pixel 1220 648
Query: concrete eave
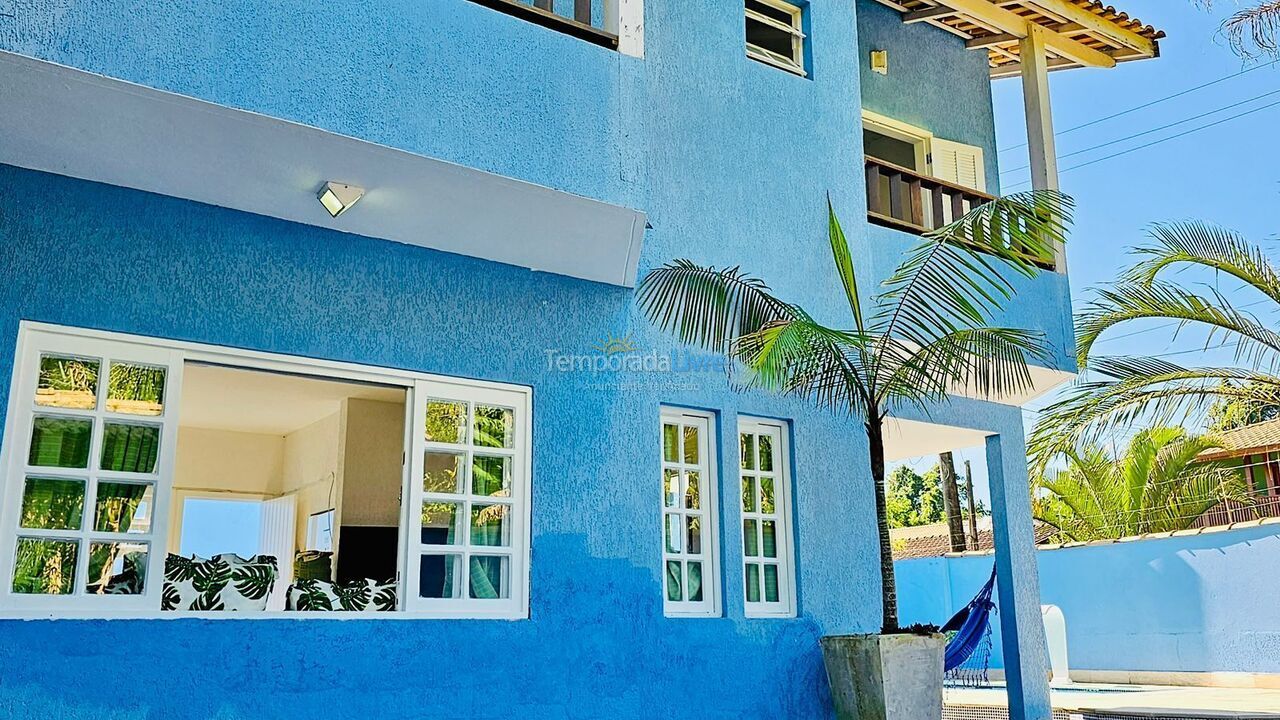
pixel 70 122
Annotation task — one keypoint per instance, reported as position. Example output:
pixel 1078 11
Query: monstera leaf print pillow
pixel 223 582
pixel 351 596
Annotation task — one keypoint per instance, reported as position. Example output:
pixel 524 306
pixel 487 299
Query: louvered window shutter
pixel 959 163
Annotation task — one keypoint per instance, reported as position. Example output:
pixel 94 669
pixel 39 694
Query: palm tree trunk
pixel 951 500
pixel 888 585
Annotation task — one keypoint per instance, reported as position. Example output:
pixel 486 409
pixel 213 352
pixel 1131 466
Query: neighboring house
pixel 348 288
pixel 1255 449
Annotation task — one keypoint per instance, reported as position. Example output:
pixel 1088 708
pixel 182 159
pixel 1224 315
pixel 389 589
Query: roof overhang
pixel 62 120
pixel 1077 33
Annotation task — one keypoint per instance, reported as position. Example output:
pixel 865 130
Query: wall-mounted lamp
pixel 337 197
pixel 880 61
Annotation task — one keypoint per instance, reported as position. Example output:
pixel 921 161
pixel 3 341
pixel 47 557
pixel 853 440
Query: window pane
pixel 750 538
pixel 67 383
pixel 446 422
pixel 117 568
pixel 694 585
pixel 766 453
pixel 693 490
pixel 442 473
pixel 50 504
pixel 491 476
pixel 747 443
pixel 693 533
pixel 672 525
pixel 771 583
pixel 489 577
pixel 675 576
pixel 768 541
pixel 670 487
pixel 494 427
pixel 130 448
pixel 753 582
pixel 440 523
pixel 60 442
pixel 491 525
pixel 691 444
pixel 766 495
pixel 135 389
pixel 670 443
pixel 764 35
pixel 44 567
pixel 438 576
pixel 748 493
pixel 123 508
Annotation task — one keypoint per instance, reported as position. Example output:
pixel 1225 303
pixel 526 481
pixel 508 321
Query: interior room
pixel 286 493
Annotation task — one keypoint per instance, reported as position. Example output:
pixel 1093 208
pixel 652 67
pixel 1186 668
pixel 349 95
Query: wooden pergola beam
pixel 1114 32
pixel 991 15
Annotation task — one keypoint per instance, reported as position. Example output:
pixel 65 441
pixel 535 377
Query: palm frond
pixel 1255 28
pixel 804 358
pixel 1209 246
pixel 708 307
pixel 1128 300
pixel 990 362
pixel 1135 388
pixel 844 266
pixel 956 278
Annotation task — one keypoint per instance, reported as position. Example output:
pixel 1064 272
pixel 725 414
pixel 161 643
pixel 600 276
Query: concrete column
pixel 1017 580
pixel 1039 115
pixel 625 18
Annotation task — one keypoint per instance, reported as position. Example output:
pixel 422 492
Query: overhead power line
pixel 1109 143
pixel 1146 105
pixel 1161 140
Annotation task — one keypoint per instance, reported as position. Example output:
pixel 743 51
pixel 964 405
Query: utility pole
pixel 973 511
pixel 951 501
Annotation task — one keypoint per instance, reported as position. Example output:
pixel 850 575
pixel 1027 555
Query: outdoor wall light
pixel 337 197
pixel 880 61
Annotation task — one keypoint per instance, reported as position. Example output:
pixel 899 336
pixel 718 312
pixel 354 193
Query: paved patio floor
pixel 1142 700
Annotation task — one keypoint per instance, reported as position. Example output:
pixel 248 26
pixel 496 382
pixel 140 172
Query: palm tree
pixel 1128 390
pixel 925 334
pixel 1254 27
pixel 1156 486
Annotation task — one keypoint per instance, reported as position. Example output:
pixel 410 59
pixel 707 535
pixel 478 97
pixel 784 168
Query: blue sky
pixel 1228 174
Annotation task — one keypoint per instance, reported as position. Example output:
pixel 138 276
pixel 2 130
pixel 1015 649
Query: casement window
pixel 688 484
pixel 768 560
pixel 775 34
pixel 146 477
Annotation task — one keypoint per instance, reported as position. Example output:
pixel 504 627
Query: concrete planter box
pixel 885 677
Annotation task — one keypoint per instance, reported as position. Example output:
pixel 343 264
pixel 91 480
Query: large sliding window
pixel 690 575
pixel 765 500
pixel 94 473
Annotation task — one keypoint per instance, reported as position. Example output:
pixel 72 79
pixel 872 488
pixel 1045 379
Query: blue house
pixel 326 392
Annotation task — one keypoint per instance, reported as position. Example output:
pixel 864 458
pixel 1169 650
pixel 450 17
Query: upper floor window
pixel 767 558
pixel 688 514
pixel 775 35
pixel 146 476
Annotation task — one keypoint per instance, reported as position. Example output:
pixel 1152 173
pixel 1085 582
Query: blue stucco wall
pixel 1185 604
pixel 730 159
pixel 934 82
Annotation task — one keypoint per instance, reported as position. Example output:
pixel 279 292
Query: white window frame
pixel 919 138
pixel 709 605
pixel 36 338
pixel 793 64
pixel 783 517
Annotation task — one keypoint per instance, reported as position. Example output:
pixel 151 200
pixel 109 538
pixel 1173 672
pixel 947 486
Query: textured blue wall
pixel 731 160
pixel 1185 604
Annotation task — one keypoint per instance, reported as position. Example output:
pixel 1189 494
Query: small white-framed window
pixel 775 34
pixel 768 559
pixel 690 572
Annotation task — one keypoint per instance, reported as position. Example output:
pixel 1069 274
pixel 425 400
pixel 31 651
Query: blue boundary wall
pixel 1195 603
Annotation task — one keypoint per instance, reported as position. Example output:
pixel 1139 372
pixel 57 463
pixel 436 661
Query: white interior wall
pixel 313 470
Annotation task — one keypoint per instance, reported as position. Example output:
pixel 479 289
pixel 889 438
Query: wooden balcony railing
pixel 903 199
pixel 582 24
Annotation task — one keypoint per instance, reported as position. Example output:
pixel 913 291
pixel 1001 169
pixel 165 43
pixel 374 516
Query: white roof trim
pixel 67 121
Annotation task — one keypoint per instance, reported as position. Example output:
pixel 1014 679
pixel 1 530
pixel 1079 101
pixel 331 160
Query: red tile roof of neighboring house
pixel 1248 440
pixel 934 540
